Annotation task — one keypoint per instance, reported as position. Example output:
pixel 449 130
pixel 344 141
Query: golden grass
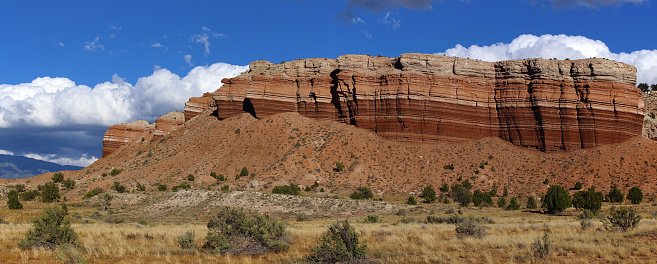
pixel 508 240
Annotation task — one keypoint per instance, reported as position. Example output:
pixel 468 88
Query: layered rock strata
pixel 168 123
pixel 196 105
pixel 543 104
pixel 121 134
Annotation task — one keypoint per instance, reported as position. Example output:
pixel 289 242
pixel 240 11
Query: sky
pixel 70 69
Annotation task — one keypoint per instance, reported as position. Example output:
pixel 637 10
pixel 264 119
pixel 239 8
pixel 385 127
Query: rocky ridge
pixel 543 104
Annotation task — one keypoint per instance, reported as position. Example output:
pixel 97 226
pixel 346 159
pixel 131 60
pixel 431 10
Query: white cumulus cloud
pixel 560 47
pixel 59 102
pixel 94 45
pixel 82 161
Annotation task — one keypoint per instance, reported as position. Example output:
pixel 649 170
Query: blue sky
pixel 119 57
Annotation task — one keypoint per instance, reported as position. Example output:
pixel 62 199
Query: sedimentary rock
pixel 168 123
pixel 121 134
pixel 543 104
pixel 196 105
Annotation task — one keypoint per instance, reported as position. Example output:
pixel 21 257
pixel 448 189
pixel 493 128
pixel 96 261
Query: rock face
pixel 167 123
pixel 543 104
pixel 121 134
pixel 650 119
pixel 196 105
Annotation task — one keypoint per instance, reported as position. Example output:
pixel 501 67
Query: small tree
pixel 50 192
pixel 12 201
pixel 505 192
pixel 531 202
pixel 501 203
pixel 244 172
pixel 461 194
pixel 362 193
pixel 589 200
pixel 513 204
pixel 57 177
pixel 578 186
pixel 118 187
pixel 556 199
pixel 635 195
pixel 615 195
pixel 49 231
pixel 624 218
pixel 480 198
pixel 69 183
pixel 643 87
pixel 653 87
pixel 493 191
pixel 444 188
pixel 429 194
pixel 411 200
pixel 467 184
pixel 190 177
pixel 339 244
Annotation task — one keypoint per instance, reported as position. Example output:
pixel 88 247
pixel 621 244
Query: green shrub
pixel 546 181
pixel 444 188
pixel 470 227
pixel 244 172
pixel 615 195
pixel 339 244
pixel 69 183
pixel 49 231
pixel 411 200
pixel 493 191
pixel 20 188
pixel 505 192
pixel 118 187
pixel 481 199
pixel 371 219
pixel 190 177
pixel 339 167
pixel 140 187
pixel 291 189
pixel 29 195
pixel 531 203
pixel 57 177
pixel 186 240
pixel 556 199
pixel 142 222
pixel 302 217
pixel 501 203
pixel 429 194
pixel 449 167
pixel 236 231
pixel 115 172
pixel 50 192
pixel 635 195
pixel 362 193
pixel 315 185
pixel 461 195
pixel 162 187
pixel 589 200
pixel 12 201
pixel 513 204
pixel 542 247
pixel 578 186
pixel 93 192
pixel 623 218
pixel 308 189
pixel 225 188
pixel 182 186
pixel 467 184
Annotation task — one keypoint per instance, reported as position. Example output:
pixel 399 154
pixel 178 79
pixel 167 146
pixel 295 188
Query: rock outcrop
pixel 196 105
pixel 650 119
pixel 121 134
pixel 168 123
pixel 543 104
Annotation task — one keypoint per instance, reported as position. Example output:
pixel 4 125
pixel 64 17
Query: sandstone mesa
pixel 549 105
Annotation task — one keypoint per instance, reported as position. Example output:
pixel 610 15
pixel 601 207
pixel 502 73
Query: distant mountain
pixel 18 167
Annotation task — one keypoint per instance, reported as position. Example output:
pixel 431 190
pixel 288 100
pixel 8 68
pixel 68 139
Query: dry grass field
pixel 509 237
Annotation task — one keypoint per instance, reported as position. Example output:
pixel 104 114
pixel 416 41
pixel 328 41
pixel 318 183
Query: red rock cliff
pixel 543 104
pixel 121 134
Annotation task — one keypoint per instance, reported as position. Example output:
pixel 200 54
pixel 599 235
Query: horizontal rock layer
pixel 543 104
pixel 168 123
pixel 196 105
pixel 121 134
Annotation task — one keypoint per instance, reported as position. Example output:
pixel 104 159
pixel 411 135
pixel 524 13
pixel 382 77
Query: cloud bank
pixel 59 102
pixel 560 47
